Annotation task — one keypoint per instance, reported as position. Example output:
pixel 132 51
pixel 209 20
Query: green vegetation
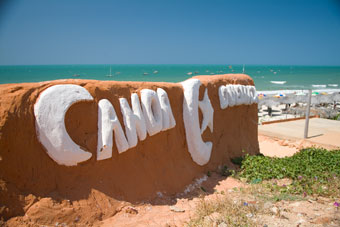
pixel 312 170
pixel 225 171
pixel 336 117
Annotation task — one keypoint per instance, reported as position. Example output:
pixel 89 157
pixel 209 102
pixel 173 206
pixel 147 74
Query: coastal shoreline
pixel 294 77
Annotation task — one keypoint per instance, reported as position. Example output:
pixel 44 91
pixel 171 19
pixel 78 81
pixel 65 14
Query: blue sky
pixel 283 32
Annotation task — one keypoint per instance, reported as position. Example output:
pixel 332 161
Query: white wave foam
pixel 278 82
pixel 319 85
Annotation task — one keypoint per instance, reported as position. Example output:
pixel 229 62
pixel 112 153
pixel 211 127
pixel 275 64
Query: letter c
pixel 49 111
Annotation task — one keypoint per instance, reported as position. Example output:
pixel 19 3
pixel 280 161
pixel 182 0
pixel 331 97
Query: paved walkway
pixel 321 131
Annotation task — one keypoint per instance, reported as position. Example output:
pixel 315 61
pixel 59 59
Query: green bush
pixel 336 117
pixel 311 169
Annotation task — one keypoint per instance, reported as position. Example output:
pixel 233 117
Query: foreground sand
pixel 178 210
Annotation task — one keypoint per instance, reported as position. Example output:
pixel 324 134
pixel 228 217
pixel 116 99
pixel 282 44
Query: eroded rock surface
pixel 160 163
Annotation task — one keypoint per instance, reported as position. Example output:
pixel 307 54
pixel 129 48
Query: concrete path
pixel 321 131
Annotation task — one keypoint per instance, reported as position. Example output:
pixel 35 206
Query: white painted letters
pixel 133 120
pixel 49 113
pixel 107 124
pixel 150 115
pixel 231 95
pixel 200 151
pixel 152 111
pixel 208 113
pixel 155 117
pixel 167 116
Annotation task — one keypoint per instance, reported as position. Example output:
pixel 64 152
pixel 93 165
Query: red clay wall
pixel 160 163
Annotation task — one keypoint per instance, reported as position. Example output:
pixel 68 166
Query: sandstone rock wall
pixel 159 163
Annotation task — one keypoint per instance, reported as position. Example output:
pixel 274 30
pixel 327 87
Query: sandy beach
pixel 292 104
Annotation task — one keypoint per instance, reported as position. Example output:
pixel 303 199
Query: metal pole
pixel 307 113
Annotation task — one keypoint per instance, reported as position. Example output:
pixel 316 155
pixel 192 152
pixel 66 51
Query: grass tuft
pixel 223 210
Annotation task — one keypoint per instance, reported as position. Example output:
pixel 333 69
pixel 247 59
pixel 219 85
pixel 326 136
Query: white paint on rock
pixel 152 115
pixel 108 123
pixel 133 120
pixel 49 113
pixel 208 113
pixel 155 117
pixel 199 150
pixel 152 111
pixel 232 95
pixel 167 116
pixel 195 185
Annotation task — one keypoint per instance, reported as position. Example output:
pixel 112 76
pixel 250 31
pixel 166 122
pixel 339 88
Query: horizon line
pixel 171 64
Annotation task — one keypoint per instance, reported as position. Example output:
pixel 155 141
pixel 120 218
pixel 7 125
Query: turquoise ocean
pixel 266 77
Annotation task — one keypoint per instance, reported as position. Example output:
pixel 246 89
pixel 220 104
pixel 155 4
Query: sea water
pixel 266 77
